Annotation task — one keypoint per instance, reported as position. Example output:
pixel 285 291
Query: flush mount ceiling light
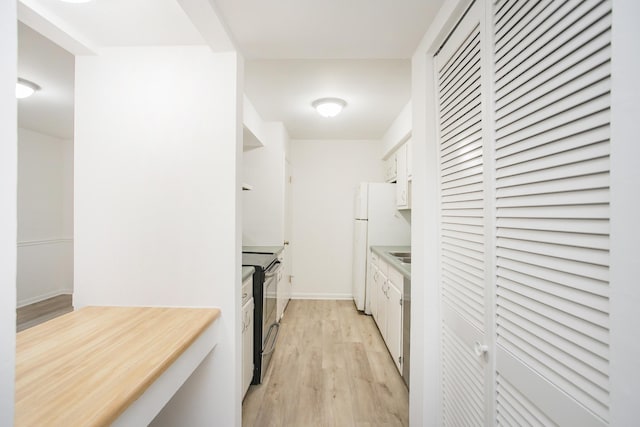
pixel 25 88
pixel 329 107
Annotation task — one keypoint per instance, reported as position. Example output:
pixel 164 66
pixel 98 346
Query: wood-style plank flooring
pixel 39 312
pixel 330 368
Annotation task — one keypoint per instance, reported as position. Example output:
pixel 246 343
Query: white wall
pixel 326 175
pixel 45 217
pixel 263 207
pixel 398 132
pixel 8 207
pixel 157 199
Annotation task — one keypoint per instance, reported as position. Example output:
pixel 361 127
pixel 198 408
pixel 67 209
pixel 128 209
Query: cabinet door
pixel 390 168
pixel 394 323
pixel 373 292
pixel 402 186
pixel 382 307
pixel 247 345
pixel 380 298
pixel 280 296
pixel 409 145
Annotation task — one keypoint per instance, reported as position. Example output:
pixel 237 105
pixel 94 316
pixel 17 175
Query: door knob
pixel 480 349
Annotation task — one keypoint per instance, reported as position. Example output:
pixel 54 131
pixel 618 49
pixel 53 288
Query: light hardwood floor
pixel 331 368
pixel 39 312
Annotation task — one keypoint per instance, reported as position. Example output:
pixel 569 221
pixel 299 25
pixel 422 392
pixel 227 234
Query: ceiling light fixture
pixel 329 107
pixel 25 88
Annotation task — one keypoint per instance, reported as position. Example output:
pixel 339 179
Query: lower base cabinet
pixel 247 334
pixel 394 324
pixel 387 306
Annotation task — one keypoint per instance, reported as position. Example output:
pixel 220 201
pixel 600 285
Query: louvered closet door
pixel 552 82
pixel 462 195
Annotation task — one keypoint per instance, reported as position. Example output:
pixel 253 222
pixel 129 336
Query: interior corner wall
pixel 326 175
pixel 8 207
pixel 45 217
pixel 157 151
pixel 263 206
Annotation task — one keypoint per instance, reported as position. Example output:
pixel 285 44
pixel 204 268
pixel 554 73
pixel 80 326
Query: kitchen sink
pixel 401 254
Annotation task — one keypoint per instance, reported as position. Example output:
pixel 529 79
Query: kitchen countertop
pixel 383 251
pixel 263 249
pixel 88 366
pixel 247 272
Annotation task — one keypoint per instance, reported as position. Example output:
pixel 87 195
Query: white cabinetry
pixel 247 334
pixel 409 145
pixel 398 169
pixel 402 183
pixel 393 339
pixel 390 168
pixel 387 306
pixel 382 305
pixel 282 290
pixel 372 273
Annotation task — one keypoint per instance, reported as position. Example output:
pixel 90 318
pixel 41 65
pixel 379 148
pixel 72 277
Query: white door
pixel 552 101
pixel 524 192
pixel 463 260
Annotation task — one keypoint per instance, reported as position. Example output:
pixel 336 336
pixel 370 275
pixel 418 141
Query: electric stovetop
pixel 263 249
pixel 258 260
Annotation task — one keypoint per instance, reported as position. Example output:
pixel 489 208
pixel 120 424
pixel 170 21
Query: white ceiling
pixel 375 91
pixel 301 50
pixel 348 29
pixel 125 22
pixel 296 50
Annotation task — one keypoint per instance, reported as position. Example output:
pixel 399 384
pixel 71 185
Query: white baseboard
pixel 322 296
pixel 43 297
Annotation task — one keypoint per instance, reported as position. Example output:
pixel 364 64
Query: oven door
pixel 270 326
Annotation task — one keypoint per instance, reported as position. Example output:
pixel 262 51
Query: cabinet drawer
pixel 373 258
pixel 383 266
pixel 396 278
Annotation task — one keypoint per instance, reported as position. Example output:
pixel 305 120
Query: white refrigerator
pixel 377 223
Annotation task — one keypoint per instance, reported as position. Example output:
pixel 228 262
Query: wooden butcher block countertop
pixel 86 367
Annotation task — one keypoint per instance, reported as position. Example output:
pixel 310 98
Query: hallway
pixel 331 368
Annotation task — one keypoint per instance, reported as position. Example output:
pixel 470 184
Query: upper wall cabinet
pixel 391 168
pixel 398 170
pixel 253 127
pixel 402 182
pixel 409 145
pixel 397 156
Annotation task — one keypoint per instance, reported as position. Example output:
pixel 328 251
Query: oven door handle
pixel 275 338
pixel 273 270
